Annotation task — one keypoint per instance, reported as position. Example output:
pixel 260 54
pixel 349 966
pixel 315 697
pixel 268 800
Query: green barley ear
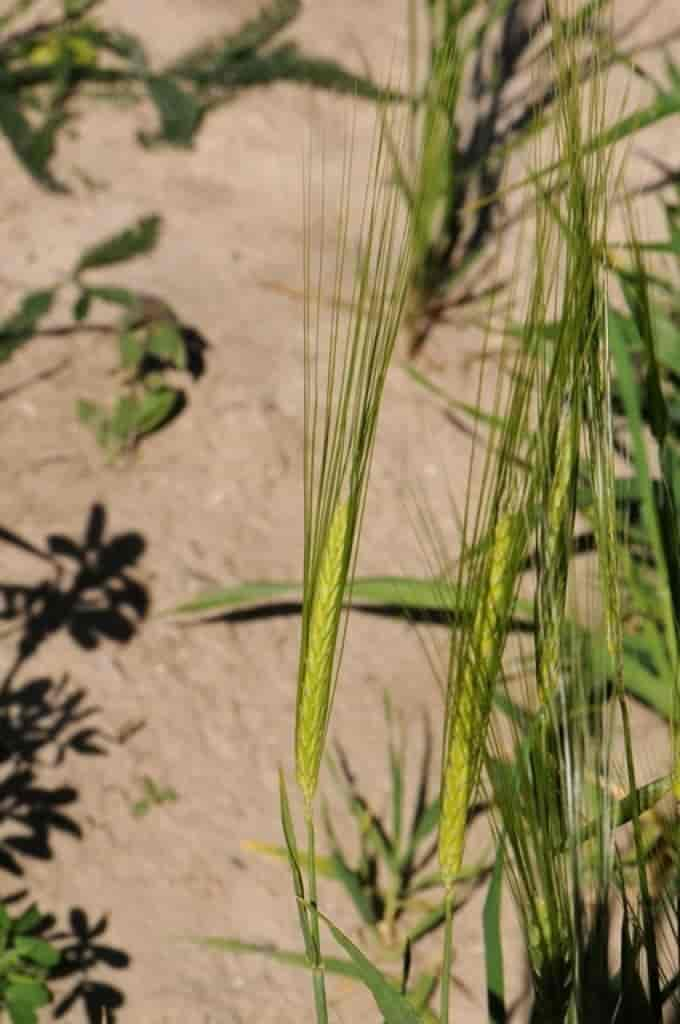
pixel 313 706
pixel 346 364
pixel 470 696
pixel 344 379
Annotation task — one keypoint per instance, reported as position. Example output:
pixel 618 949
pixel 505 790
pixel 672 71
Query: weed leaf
pixel 137 240
pixel 332 965
pixel 33 147
pixel 179 113
pixel 395 1008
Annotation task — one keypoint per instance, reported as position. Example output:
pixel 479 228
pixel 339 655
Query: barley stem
pixel 318 976
pixel 448 952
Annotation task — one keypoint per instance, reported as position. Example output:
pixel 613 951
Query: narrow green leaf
pixel 20 326
pixel 351 879
pixel 116 296
pixel 81 307
pixel 395 758
pixel 428 923
pixel 332 965
pixel 294 862
pixel 325 866
pixel 391 591
pixel 493 945
pixel 248 38
pixel 137 240
pixel 395 1008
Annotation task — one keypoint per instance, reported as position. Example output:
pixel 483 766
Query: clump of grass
pixel 549 761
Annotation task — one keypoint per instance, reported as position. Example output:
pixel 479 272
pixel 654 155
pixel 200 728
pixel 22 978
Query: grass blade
pixel 395 1008
pixel 493 948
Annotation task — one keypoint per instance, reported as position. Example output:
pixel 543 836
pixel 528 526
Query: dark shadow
pixel 41 723
pixel 82 952
pixel 284 609
pixel 195 346
pixel 90 593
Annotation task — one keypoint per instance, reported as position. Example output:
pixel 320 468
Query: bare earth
pixel 214 498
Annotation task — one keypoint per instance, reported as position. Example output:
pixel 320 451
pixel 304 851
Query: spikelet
pixel 314 695
pixel 470 705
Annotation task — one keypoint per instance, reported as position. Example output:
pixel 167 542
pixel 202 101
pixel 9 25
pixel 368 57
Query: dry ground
pixel 216 497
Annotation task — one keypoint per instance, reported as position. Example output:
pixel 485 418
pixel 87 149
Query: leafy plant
pixel 25 962
pixel 393 885
pixel 149 336
pixel 44 66
pixel 153 796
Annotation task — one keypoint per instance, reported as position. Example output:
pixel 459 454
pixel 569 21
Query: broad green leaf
pixel 38 951
pixel 131 350
pixel 33 147
pixel 124 419
pixel 141 238
pixel 28 921
pixel 154 409
pixel 493 944
pixel 179 113
pixel 395 1008
pixel 24 998
pixel 166 343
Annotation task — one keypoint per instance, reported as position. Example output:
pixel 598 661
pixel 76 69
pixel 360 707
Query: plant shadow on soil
pixel 92 596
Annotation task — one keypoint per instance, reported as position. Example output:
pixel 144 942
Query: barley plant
pixel 538 724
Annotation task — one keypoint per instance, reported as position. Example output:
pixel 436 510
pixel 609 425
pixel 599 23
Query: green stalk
pixel 448 951
pixel 318 975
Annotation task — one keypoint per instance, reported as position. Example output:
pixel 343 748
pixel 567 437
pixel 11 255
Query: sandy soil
pixel 214 498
